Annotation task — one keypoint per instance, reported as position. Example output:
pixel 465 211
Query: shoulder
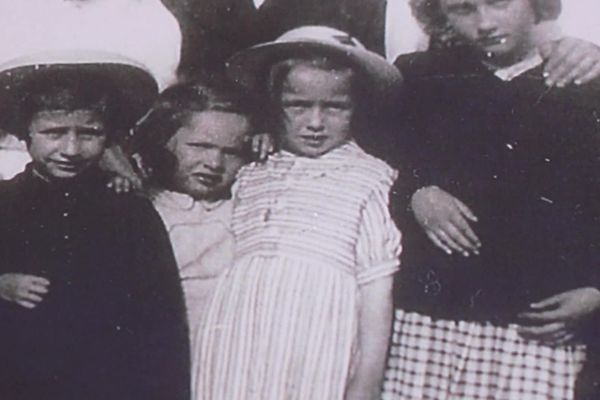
pixel 370 171
pixel 447 62
pixel 131 207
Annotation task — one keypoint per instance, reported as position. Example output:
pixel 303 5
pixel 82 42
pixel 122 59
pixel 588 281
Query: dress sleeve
pixel 379 241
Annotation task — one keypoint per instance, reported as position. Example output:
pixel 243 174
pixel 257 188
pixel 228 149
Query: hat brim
pixel 250 67
pixel 134 86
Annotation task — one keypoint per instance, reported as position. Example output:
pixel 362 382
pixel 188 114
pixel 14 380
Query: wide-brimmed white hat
pixel 250 67
pixel 134 87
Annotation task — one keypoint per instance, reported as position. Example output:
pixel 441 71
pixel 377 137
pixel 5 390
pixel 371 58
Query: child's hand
pixel 116 162
pixel 445 220
pixel 555 320
pixel 121 184
pixel 25 290
pixel 262 145
pixel 569 61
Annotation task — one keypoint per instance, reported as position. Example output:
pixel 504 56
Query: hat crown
pixel 321 34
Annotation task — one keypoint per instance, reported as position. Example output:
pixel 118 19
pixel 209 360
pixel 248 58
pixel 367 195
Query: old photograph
pixel 299 200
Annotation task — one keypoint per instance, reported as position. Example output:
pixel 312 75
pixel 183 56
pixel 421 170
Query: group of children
pixel 290 289
pixel 498 280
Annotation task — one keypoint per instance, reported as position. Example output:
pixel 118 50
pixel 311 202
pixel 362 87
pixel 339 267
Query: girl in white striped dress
pixel 305 311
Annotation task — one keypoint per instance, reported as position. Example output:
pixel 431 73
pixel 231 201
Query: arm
pixel 159 336
pixel 378 251
pixel 374 329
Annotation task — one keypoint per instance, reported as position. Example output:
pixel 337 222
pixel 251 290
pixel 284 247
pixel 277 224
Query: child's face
pixel 63 144
pixel 209 152
pixel 501 28
pixel 317 110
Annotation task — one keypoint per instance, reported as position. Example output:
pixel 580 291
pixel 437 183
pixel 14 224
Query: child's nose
pixel 315 119
pixel 70 145
pixel 486 22
pixel 214 159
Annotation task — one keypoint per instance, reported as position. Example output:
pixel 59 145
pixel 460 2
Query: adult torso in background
pixel 215 29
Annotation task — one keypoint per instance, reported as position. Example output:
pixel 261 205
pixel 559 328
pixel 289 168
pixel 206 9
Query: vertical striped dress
pixel 309 232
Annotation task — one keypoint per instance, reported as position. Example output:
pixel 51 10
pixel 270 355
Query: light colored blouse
pixel 200 233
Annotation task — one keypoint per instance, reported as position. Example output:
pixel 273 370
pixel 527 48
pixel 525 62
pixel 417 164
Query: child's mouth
pixel 209 180
pixel 492 40
pixel 314 140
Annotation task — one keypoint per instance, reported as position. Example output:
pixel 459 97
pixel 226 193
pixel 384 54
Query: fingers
pixel 571 61
pixel 578 71
pixel 550 302
pixel 26 304
pixel 556 61
pixel 560 75
pixel 30 296
pixel 39 289
pixel 529 318
pixel 433 237
pixel 32 290
pixel 448 241
pixel 541 331
pixel 592 74
pixel 566 338
pixel 556 334
pixel 121 184
pixel 465 211
pixel 39 281
pixel 465 246
pixel 262 146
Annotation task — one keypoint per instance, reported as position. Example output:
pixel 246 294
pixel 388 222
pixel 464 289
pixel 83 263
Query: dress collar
pixel 531 61
pixel 339 152
pixel 184 202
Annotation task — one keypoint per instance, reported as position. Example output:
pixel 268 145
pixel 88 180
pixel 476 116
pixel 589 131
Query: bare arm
pixel 375 323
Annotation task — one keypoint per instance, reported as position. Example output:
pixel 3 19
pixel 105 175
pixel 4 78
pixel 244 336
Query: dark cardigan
pixel 525 159
pixel 113 324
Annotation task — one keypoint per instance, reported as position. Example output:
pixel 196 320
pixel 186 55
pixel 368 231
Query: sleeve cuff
pixel 380 270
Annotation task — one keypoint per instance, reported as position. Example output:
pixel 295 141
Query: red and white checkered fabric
pixel 448 360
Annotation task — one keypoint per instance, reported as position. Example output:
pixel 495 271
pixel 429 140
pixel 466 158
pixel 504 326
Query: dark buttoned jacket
pixel 112 325
pixel 525 158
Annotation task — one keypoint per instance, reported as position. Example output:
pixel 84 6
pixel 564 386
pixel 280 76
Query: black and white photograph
pixel 299 200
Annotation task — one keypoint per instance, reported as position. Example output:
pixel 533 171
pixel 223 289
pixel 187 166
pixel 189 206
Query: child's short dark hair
pixel 429 13
pixel 173 110
pixel 66 92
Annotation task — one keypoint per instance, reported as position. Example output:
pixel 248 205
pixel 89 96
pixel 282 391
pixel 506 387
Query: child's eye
pixel 233 152
pixel 295 105
pixel 338 106
pixel 463 8
pixel 499 3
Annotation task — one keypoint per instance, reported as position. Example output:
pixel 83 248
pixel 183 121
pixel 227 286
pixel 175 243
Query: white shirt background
pixel 143 30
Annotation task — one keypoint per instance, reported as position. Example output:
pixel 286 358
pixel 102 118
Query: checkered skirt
pixel 448 360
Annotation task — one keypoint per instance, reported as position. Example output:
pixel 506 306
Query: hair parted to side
pixel 431 17
pixel 173 110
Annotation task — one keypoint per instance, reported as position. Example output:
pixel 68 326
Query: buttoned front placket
pixel 66 225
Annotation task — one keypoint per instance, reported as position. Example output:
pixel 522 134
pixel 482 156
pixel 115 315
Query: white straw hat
pixel 250 67
pixel 134 86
